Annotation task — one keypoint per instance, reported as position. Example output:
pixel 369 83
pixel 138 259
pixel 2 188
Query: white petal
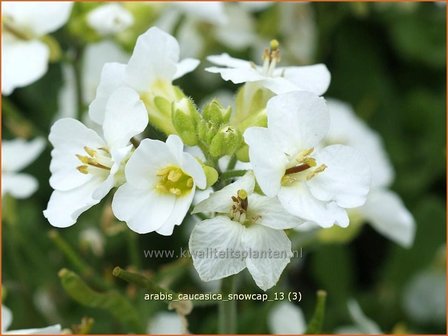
pixel 166 324
pixel 51 330
pixel 239 31
pixel 286 319
pixel 211 12
pixel 155 57
pixel 313 78
pixel 348 129
pixel 213 237
pixel 112 77
pixel 180 209
pixel 176 147
pixel 148 158
pixel 278 85
pixel 126 116
pixel 268 161
pixel 41 17
pixel 221 200
pixel 297 120
pixel 237 75
pixel 6 318
pixel 269 253
pixel 190 38
pixel 96 55
pixel 143 211
pixel 346 180
pixel 228 61
pixel 300 202
pixel 69 137
pixel 362 322
pixel 193 168
pixel 17 153
pixel 185 66
pixel 23 62
pixel 386 212
pixel 109 19
pixel 65 207
pixel 18 185
pixel 271 213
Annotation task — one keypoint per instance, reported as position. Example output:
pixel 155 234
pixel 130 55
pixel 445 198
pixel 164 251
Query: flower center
pixel 271 57
pixel 303 167
pixel 240 209
pixel 97 161
pixel 173 180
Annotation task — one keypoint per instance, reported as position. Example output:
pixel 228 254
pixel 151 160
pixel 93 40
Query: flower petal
pixel 221 200
pixel 286 319
pixel 297 200
pixel 193 168
pixel 313 78
pixel 155 57
pixel 18 185
pixel 69 137
pixel 237 75
pixel 185 66
pixel 297 121
pixel 269 252
pixel 18 153
pixel 51 330
pixel 228 61
pixel 112 77
pixel 143 211
pixel 126 116
pixel 180 209
pixel 23 62
pixel 346 180
pixel 271 213
pixel 65 207
pixel 166 324
pixel 109 19
pixel 387 214
pixel 214 246
pixel 278 85
pixel 6 318
pixel 41 17
pixel 268 161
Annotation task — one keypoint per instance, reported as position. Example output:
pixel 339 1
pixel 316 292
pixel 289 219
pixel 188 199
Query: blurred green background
pixel 388 61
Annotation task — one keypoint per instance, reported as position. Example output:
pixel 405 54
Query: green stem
pixel 210 160
pixel 227 309
pixel 134 250
pixel 231 174
pixel 316 322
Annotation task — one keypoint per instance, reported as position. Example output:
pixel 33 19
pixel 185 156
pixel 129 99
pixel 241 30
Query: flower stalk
pixel 227 323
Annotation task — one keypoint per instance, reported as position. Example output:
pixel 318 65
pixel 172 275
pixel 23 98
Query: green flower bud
pixel 185 118
pixel 226 142
pixel 210 174
pixel 243 153
pixel 215 113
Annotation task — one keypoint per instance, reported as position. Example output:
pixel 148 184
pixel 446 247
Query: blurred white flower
pixel 160 185
pixel 154 64
pixel 16 155
pixel 110 19
pixel 24 56
pixel 362 324
pixel 312 78
pixel 245 221
pixel 425 297
pixel 7 320
pixel 92 239
pixel 383 209
pixel 165 323
pixel 316 184
pixel 286 319
pixel 86 166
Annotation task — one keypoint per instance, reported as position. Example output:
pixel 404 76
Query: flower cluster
pixel 277 130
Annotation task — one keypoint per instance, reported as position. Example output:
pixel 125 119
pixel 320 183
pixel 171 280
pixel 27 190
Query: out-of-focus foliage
pixel 386 60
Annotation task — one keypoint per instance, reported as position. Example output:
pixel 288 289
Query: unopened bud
pixel 185 118
pixel 215 113
pixel 226 142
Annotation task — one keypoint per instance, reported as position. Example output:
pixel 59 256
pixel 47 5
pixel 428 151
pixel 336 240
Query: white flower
pixel 17 154
pixel 152 67
pixel 24 56
pixel 312 78
pixel 383 209
pixel 160 185
pixel 248 231
pixel 84 165
pixel 7 320
pixel 363 325
pixel 167 324
pixel 92 239
pixel 315 184
pixel 110 19
pixel 286 319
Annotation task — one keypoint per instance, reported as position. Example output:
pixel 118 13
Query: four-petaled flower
pixel 160 185
pixel 247 231
pixel 86 166
pixel 314 183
